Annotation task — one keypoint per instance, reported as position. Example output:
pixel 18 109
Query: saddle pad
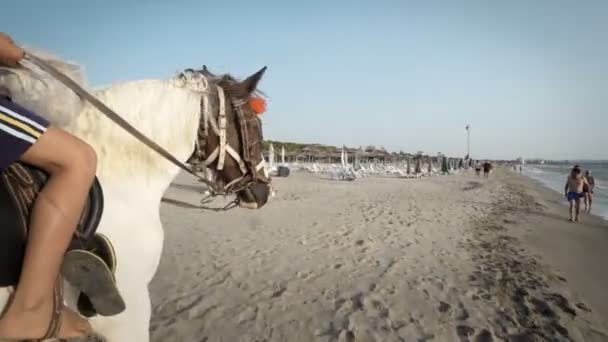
pixel 19 185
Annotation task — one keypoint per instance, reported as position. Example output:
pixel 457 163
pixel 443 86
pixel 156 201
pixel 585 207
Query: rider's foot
pixel 19 323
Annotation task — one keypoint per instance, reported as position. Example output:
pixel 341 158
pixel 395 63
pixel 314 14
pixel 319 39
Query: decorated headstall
pixel 250 131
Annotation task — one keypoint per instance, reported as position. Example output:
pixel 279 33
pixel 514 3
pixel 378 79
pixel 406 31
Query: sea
pixel 554 176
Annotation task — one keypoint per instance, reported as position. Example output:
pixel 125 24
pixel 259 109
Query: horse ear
pixel 252 81
pixel 206 72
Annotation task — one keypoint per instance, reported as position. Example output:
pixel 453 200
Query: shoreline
pixel 577 250
pixel 444 258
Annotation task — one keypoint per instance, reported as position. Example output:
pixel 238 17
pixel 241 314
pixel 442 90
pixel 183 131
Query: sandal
pixel 52 331
pixel 102 247
pixel 89 273
pixel 57 317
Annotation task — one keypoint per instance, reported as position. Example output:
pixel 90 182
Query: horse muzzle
pixel 254 196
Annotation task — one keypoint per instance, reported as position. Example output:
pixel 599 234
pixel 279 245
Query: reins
pixel 76 88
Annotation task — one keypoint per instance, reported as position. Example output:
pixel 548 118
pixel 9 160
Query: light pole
pixel 468 128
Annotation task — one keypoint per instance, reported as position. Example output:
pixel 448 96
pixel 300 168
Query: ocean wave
pixel 535 170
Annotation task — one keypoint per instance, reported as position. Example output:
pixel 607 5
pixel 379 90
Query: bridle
pixel 218 123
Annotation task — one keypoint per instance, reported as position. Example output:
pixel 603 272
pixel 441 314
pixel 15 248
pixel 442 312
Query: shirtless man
pixel 588 190
pixel 574 192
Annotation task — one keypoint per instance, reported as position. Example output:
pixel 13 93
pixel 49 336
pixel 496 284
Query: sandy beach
pixel 445 258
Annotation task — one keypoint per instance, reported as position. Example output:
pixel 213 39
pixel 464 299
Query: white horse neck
pixel 167 114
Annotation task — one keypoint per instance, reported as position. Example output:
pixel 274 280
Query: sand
pixel 457 258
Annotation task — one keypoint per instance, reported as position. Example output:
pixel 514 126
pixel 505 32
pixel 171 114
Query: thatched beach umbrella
pixel 409 166
pixel 418 168
pixel 430 169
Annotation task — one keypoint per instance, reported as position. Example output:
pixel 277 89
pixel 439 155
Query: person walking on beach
pixel 487 167
pixel 588 190
pixel 574 192
pixel 34 312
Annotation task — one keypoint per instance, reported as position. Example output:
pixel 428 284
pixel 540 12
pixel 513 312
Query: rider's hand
pixel 10 54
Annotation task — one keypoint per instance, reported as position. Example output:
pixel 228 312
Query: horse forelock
pixel 198 80
pixel 193 80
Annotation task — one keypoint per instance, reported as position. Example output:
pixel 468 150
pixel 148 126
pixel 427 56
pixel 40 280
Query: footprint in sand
pixel 303 274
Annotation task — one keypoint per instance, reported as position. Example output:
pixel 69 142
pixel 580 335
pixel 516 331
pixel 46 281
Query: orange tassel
pixel 258 105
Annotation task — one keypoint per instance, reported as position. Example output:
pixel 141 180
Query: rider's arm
pixel 10 54
pixel 566 188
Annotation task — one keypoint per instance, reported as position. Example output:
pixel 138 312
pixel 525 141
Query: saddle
pixel 19 186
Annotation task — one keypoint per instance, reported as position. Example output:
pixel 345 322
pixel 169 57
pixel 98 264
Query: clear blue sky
pixel 531 77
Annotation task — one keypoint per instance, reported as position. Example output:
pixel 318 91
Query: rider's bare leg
pixel 71 164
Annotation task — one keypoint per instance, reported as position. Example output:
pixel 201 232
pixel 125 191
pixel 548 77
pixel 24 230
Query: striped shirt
pixel 20 126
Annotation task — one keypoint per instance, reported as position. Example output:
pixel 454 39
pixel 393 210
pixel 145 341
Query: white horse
pixel 133 176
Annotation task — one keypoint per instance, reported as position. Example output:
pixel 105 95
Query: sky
pixel 530 77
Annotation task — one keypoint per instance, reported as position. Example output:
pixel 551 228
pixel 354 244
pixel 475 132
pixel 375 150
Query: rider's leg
pixel 71 164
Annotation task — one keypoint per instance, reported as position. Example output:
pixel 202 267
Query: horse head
pixel 230 135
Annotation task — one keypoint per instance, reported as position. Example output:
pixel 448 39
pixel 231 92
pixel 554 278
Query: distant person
pixel 588 190
pixel 521 168
pixel 477 169
pixel 574 192
pixel 487 167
